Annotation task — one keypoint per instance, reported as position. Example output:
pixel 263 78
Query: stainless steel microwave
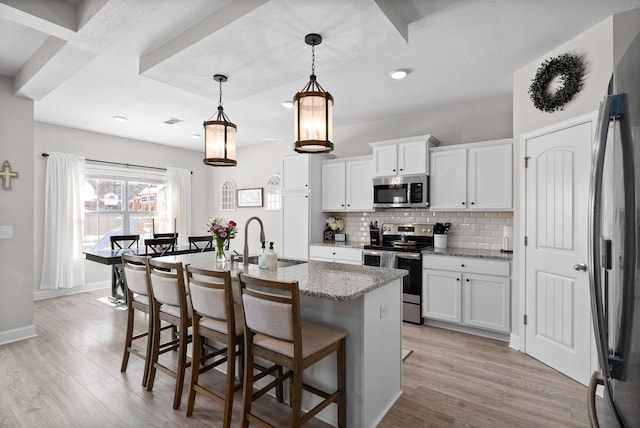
pixel 406 191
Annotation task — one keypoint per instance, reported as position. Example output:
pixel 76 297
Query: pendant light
pixel 220 135
pixel 313 108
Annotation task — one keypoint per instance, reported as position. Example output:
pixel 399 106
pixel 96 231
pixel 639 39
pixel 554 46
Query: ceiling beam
pixel 55 17
pixel 222 17
pixel 386 6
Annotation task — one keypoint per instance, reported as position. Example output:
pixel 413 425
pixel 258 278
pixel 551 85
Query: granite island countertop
pixel 469 252
pixel 326 280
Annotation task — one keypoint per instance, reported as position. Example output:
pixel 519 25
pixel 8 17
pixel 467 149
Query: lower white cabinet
pixel 329 253
pixel 473 292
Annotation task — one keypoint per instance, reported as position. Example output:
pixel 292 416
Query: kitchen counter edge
pixel 469 252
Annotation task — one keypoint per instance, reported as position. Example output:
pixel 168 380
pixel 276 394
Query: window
pixel 272 190
pixel 228 196
pixel 123 201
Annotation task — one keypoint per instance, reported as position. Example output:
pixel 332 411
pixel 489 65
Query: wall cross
pixel 7 175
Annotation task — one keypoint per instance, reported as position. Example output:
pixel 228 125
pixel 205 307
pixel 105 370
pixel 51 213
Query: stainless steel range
pixel 401 247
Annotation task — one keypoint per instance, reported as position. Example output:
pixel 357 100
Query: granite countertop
pixel 338 244
pixel 469 252
pixel 326 280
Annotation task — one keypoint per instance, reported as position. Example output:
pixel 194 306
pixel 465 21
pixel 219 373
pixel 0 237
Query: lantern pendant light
pixel 220 135
pixel 313 108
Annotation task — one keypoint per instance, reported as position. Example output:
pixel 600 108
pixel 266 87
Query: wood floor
pixel 70 376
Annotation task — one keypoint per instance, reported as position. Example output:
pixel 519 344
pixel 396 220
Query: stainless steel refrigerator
pixel 614 247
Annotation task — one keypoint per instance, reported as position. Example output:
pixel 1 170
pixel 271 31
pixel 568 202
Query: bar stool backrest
pixel 136 272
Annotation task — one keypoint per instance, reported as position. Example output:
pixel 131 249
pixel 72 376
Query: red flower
pixel 232 223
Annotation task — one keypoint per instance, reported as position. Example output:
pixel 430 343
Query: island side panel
pixel 349 316
pixel 382 348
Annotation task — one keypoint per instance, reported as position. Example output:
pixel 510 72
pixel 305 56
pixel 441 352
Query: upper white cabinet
pixel 472 176
pixel 302 217
pixel 347 184
pixel 405 156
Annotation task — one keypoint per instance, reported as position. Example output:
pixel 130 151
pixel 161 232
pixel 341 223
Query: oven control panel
pixel 407 229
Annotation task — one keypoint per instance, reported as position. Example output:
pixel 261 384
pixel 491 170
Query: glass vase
pixel 220 256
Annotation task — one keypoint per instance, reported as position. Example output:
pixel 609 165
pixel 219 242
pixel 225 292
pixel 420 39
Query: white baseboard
pixel 48 294
pixel 514 342
pixel 17 334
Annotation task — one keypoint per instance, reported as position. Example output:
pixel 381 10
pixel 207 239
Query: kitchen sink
pixel 253 260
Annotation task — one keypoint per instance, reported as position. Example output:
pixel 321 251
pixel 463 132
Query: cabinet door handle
pixel 401 169
pixel 342 205
pixel 348 205
pixel 457 279
pixel 473 203
pixel 462 265
pixel 467 279
pixel 463 203
pixel 394 170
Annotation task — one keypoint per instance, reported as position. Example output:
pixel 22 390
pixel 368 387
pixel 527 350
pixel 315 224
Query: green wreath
pixel 570 69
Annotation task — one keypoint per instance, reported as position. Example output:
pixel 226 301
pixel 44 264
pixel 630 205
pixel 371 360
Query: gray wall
pixel 16 209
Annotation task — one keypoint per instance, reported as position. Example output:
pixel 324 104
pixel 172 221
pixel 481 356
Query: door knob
pixel 581 267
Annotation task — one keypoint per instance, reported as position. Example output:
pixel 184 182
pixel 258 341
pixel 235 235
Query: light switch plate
pixel 6 232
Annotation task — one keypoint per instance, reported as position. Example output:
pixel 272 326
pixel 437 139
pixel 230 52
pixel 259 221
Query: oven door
pixel 412 283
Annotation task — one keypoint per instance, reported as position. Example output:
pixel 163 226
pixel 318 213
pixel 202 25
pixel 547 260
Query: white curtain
pixel 63 259
pixel 179 181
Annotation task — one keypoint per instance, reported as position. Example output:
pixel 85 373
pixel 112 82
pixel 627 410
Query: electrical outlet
pixel 384 310
pixel 6 232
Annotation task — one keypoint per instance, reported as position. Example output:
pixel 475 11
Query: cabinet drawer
pixel 338 254
pixel 467 264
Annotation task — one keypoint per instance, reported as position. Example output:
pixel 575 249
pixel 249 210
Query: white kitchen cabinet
pixel 405 156
pixel 473 292
pixel 335 253
pixel 472 177
pixel 302 217
pixel 347 184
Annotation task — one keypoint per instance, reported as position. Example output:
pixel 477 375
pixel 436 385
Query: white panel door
pixel 441 295
pixel 295 226
pixel 448 175
pixel 558 329
pixel 490 179
pixel 359 185
pixel 333 186
pixel 412 158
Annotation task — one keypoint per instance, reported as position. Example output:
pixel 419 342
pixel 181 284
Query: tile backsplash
pixel 469 229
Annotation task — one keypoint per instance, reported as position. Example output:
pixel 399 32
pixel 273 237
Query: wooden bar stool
pixel 135 270
pixel 171 304
pixel 218 318
pixel 275 332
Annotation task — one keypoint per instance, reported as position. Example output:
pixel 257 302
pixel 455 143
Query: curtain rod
pixel 46 155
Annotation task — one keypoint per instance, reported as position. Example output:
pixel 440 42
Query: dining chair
pixel 218 319
pixel 121 242
pixel 274 331
pixel 166 235
pixel 136 274
pixel 201 243
pixel 159 246
pixel 170 303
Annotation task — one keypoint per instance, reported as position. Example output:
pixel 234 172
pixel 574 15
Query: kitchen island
pixel 366 302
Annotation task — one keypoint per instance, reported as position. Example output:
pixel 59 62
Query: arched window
pixel 272 190
pixel 228 195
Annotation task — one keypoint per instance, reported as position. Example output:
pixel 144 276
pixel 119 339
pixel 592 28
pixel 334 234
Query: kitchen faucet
pixel 245 253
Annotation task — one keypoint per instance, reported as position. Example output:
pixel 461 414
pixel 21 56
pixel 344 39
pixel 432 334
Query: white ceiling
pixel 85 61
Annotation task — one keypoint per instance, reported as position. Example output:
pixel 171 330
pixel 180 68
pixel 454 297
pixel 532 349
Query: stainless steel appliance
pixel 404 243
pixel 613 240
pixel 403 191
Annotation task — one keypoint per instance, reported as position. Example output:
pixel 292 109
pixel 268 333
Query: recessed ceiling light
pixel 120 118
pixel 398 74
pixel 195 136
pixel 287 104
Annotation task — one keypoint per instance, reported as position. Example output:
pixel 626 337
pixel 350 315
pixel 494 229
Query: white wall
pixel 16 210
pixel 51 138
pixel 601 45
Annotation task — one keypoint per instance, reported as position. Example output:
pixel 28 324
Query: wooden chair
pixel 170 304
pixel 217 318
pixel 274 331
pixel 136 274
pixel 159 246
pixel 201 243
pixel 121 242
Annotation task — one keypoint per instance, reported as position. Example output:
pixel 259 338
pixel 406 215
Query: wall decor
pixel 250 197
pixel 7 175
pixel 569 69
